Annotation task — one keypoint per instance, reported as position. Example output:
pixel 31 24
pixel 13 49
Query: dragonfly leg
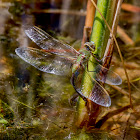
pixel 96 60
pixel 73 99
pixel 100 59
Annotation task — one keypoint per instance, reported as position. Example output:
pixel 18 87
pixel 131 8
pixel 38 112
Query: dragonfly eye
pixel 90 46
pixel 87 48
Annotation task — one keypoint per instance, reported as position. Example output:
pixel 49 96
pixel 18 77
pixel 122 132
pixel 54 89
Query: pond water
pixel 33 104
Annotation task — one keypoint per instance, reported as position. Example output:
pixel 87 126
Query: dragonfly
pixel 56 57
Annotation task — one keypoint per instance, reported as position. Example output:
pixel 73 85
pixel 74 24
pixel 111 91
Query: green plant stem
pixel 100 36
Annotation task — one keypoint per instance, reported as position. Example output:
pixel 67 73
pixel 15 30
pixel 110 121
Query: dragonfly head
pixel 90 46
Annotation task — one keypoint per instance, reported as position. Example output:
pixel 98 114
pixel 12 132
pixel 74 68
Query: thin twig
pixel 126 127
pixel 61 11
pixel 120 90
pixel 111 114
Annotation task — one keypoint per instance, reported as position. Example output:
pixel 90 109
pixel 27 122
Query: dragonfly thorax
pixel 83 55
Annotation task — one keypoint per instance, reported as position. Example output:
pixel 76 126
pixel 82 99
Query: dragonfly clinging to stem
pixel 57 58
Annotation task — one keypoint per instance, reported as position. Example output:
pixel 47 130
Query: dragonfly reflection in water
pixel 57 58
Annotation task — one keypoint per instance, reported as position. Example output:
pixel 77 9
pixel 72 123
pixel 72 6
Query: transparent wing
pixel 93 91
pixel 111 77
pixel 47 42
pixel 46 62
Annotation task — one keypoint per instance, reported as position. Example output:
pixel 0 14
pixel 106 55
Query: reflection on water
pixel 33 104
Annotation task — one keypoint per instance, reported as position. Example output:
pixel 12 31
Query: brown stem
pixel 109 115
pixel 88 22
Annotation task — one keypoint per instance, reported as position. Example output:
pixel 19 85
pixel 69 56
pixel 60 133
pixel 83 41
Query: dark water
pixel 33 104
